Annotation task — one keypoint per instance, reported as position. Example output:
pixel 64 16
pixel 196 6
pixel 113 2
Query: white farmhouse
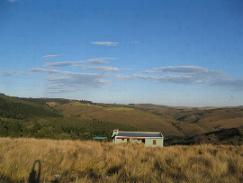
pixel 149 139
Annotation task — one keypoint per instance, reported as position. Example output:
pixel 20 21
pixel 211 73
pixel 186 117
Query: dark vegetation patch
pixel 20 109
pixel 58 128
pixel 189 118
pixel 232 136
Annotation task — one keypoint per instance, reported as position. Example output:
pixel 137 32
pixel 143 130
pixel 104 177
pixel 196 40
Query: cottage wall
pixel 149 142
pixel 117 141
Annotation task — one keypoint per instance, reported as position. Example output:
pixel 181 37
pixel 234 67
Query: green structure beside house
pixel 100 138
pixel 149 139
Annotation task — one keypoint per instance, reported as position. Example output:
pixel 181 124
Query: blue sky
pixel 170 52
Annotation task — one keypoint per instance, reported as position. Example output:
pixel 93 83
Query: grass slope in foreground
pixel 75 161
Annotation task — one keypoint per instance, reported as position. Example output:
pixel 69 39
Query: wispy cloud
pixel 70 81
pixel 230 83
pixel 179 69
pixel 44 70
pixel 186 75
pixel 94 74
pixel 90 61
pixel 107 68
pixel 64 64
pixel 59 81
pixel 7 74
pixel 105 43
pixel 100 60
pixel 50 55
pixel 12 73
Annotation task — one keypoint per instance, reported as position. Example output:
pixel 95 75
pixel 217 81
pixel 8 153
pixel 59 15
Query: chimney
pixel 115 132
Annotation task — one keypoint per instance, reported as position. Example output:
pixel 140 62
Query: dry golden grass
pixel 76 161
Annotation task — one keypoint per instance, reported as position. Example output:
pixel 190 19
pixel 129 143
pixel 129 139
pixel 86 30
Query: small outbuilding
pixel 149 139
pixel 100 138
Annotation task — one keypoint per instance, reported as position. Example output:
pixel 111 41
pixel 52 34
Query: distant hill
pixel 73 119
pixel 27 117
pixel 17 108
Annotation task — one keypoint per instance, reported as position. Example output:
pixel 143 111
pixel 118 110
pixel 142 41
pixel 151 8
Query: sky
pixel 167 52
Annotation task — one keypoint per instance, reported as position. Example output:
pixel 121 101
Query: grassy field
pixel 76 161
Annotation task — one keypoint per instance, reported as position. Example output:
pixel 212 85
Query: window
pixel 154 142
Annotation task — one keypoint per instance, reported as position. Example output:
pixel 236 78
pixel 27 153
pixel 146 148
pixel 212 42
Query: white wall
pixel 148 141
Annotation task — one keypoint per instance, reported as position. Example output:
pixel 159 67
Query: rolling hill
pixel 73 119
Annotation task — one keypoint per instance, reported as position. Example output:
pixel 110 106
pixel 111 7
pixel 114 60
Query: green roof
pixel 99 138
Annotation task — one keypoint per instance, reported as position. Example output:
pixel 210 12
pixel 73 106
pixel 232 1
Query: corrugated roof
pixel 139 134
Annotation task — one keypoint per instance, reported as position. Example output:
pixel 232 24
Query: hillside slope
pixel 35 118
pixel 117 114
pixel 194 121
pixel 72 119
pixel 171 121
pixel 17 108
